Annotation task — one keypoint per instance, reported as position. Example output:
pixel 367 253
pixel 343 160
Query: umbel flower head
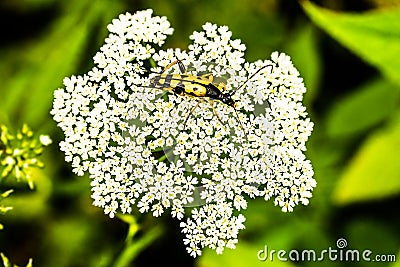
pixel 144 145
pixel 19 153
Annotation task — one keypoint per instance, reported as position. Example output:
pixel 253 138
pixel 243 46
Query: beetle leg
pixel 191 112
pixel 215 112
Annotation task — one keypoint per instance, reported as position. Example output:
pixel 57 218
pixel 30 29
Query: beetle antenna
pixel 251 77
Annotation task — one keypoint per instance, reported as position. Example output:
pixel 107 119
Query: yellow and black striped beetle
pixel 197 86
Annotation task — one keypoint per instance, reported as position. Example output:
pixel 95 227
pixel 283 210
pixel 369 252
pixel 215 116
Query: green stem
pixel 132 249
pixel 164 157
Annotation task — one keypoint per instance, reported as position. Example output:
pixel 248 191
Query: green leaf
pixel 374 36
pixel 362 109
pixel 374 172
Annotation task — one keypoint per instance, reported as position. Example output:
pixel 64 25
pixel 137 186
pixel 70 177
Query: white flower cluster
pixel 148 147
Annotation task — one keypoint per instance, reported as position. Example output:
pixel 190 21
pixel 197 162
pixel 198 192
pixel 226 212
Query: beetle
pixel 200 87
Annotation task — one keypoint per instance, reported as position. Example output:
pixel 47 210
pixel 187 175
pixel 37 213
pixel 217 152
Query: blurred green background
pixel 349 55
